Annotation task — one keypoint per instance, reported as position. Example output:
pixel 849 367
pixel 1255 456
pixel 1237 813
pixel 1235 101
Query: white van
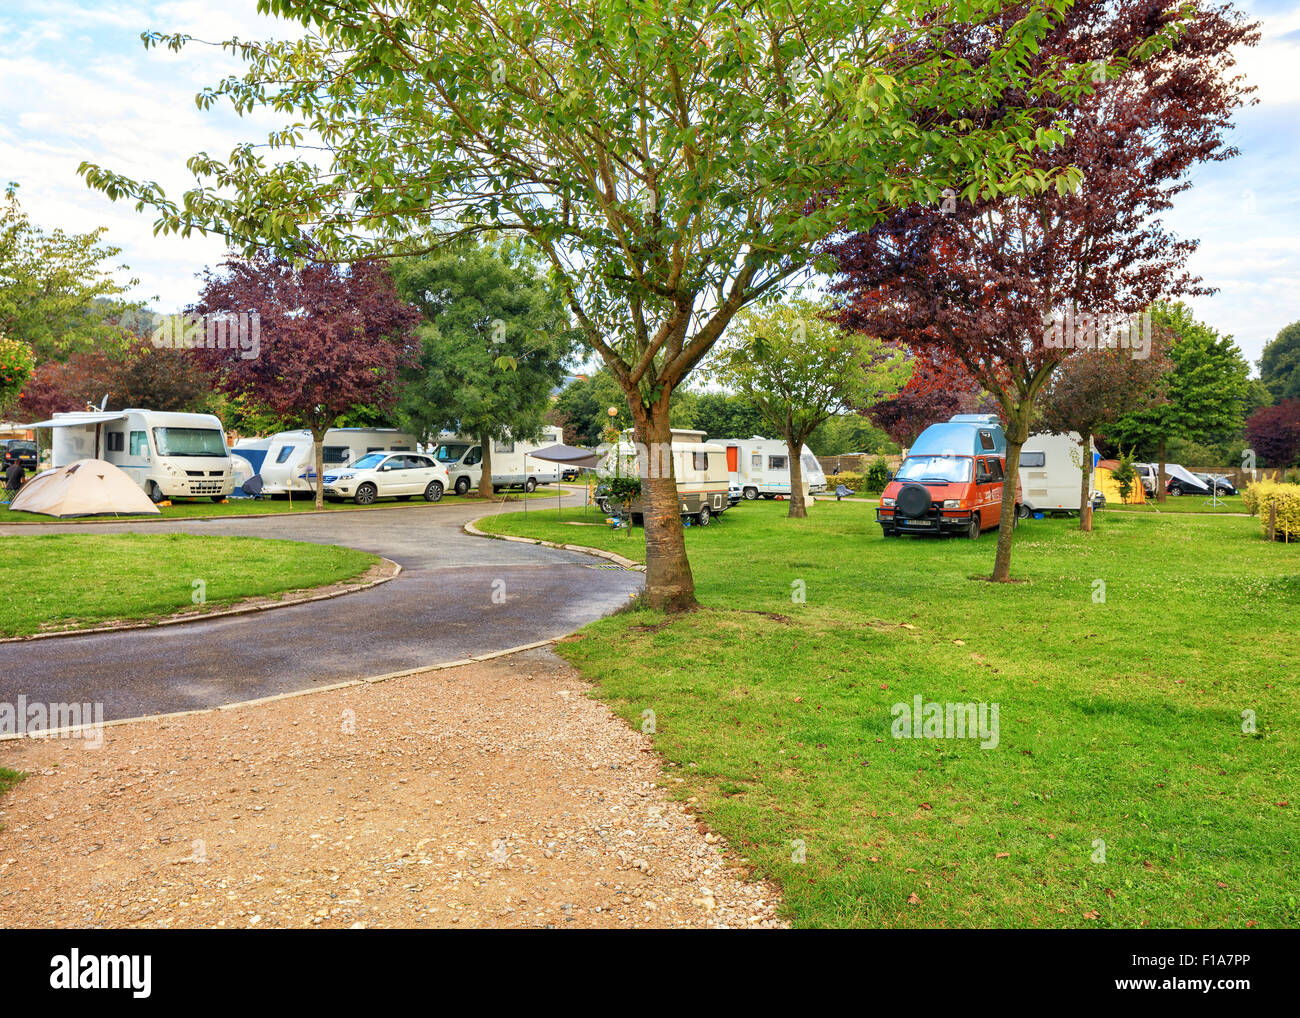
pixel 511 466
pixel 761 466
pixel 170 455
pixel 290 463
pixel 1051 477
pixel 699 467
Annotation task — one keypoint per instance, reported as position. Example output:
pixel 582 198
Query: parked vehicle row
pixel 1180 481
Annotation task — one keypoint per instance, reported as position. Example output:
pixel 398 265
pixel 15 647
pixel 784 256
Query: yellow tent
pixel 1104 481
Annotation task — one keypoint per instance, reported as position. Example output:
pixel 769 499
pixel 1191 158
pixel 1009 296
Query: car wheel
pixel 705 516
pixel 433 492
pixel 462 485
pixel 751 494
pixel 530 485
pixel 1175 489
pixel 366 494
pixel 1022 511
pixel 973 531
pixel 605 507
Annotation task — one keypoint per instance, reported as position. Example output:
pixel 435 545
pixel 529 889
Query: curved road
pixel 441 608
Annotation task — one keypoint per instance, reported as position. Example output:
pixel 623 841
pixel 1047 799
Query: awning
pixel 80 420
pixel 561 453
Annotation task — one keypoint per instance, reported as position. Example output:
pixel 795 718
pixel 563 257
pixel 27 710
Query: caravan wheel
pixel 530 485
pixel 750 494
pixel 705 516
pixel 154 492
pixel 1022 511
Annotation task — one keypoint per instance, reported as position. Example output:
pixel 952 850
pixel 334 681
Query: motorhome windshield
pixel 189 442
pixel 449 453
pixel 940 469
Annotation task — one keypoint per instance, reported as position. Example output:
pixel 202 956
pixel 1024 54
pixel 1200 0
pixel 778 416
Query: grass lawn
pixel 1184 504
pixel 265 506
pixel 1120 720
pixel 73 581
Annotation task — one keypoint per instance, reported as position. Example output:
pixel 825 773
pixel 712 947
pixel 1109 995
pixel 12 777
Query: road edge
pixel 626 563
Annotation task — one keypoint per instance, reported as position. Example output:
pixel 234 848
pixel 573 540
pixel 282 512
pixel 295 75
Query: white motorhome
pixel 699 467
pixel 290 463
pixel 512 467
pixel 1050 473
pixel 170 455
pixel 761 466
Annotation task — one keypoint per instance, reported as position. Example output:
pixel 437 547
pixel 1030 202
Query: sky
pixel 78 84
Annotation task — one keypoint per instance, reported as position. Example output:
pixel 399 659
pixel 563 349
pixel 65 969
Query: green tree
pixel 56 295
pixel 1279 367
pixel 492 348
pixel 663 156
pixel 799 369
pixel 582 408
pixel 1206 390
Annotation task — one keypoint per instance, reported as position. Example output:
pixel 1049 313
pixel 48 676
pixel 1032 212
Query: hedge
pixel 1286 501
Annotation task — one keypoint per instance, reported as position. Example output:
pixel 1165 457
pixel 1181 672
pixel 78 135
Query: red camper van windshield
pixel 937 469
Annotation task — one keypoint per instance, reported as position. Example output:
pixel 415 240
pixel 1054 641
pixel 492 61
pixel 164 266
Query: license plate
pixel 919 523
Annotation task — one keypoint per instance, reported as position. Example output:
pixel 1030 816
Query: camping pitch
pixel 84 488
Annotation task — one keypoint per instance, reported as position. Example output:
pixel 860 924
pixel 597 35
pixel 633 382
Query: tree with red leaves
pixel 1003 285
pixel 330 338
pixel 1274 433
pixel 937 390
pixel 63 386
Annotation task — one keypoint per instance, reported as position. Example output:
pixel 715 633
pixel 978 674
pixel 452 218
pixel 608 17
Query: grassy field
pixel 1123 790
pixel 269 506
pixel 73 581
pixel 1184 504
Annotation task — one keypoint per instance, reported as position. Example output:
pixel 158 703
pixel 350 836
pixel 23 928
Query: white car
pixel 387 475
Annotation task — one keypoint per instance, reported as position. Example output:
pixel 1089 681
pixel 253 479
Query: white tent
pixel 84 488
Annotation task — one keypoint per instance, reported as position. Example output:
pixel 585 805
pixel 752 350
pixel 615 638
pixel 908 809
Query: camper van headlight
pixel 954 503
pixel 887 503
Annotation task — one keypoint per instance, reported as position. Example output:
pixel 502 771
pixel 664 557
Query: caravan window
pixel 139 443
pixel 189 442
pixel 285 453
pixel 700 460
pixel 778 463
pixel 115 441
pixel 503 447
pixel 333 454
pixel 449 453
pixel 1033 459
pixel 810 462
pixel 986 440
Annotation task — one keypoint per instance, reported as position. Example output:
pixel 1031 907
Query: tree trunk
pixel 1017 433
pixel 1085 502
pixel 1161 494
pixel 797 508
pixel 485 466
pixel 317 441
pixel 669 585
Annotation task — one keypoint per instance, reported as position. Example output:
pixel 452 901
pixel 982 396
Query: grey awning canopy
pixel 561 453
pixel 80 420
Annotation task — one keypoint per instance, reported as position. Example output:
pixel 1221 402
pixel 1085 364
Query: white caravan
pixel 290 463
pixel 511 466
pixel 699 467
pixel 1050 473
pixel 170 455
pixel 761 466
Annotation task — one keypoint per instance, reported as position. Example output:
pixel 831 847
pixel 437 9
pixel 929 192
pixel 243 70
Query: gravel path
pixel 494 794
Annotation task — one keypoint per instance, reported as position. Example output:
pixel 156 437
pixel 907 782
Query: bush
pixel 854 482
pixel 1285 498
pixel 877 475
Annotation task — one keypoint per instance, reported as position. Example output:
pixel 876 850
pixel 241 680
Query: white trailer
pixel 1051 477
pixel 761 466
pixel 699 468
pixel 170 455
pixel 290 463
pixel 512 467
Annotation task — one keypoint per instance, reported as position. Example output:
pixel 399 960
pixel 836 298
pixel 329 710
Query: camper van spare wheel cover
pixel 913 500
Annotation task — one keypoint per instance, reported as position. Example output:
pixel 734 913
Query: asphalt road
pixel 441 608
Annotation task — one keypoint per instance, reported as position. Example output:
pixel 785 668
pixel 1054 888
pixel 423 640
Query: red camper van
pixel 950 482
